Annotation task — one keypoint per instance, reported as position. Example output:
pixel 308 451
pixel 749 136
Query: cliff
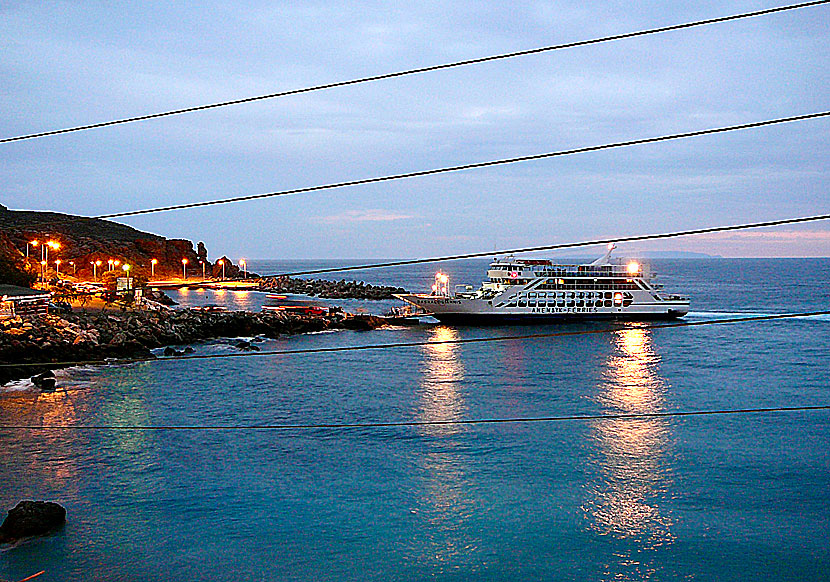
pixel 86 240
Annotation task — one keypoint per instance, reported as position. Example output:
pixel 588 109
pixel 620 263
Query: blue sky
pixel 70 63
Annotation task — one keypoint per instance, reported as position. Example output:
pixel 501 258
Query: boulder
pixel 45 381
pixel 31 518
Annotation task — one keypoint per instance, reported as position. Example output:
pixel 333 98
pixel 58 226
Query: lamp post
pixel 243 264
pixel 222 262
pixel 52 244
pixel 43 272
pixel 153 267
pixel 109 264
pixel 58 268
pixel 203 269
pixel 74 268
pixel 33 243
pixel 184 269
pixel 97 264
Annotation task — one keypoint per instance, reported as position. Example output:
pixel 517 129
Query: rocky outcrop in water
pixel 81 336
pixel 31 518
pixel 328 289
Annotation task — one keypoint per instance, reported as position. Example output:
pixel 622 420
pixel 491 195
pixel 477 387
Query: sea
pixel 705 497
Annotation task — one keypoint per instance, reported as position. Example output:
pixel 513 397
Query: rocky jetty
pixel 86 336
pixel 328 289
pixel 31 518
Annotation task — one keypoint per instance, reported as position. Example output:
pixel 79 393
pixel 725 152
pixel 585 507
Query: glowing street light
pixel 153 263
pixel 95 269
pixel 116 262
pixel 58 268
pixel 222 262
pixel 184 268
pixel 244 266
pixel 109 264
pixel 126 268
pixel 203 269
pixel 74 268
pixel 31 242
pixel 43 271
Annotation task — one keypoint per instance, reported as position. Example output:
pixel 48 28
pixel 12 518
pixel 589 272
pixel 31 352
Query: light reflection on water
pixel 445 500
pixel 630 457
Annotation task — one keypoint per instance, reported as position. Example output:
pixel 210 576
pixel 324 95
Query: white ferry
pixel 532 290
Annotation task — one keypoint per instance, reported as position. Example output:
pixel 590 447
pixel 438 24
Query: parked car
pixel 60 307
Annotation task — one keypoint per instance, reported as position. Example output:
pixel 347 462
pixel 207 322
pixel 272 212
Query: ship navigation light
pixel 442 284
pixel 633 268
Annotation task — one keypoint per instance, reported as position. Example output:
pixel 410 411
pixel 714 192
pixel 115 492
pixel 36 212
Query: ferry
pixel 521 291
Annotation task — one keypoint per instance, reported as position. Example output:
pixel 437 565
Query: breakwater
pixel 95 336
pixel 328 289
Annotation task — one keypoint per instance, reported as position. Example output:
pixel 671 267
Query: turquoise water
pixel 701 498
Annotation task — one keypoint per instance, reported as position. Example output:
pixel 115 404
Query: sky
pixel 70 63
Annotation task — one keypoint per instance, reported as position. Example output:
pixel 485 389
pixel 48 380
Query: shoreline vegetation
pixel 97 336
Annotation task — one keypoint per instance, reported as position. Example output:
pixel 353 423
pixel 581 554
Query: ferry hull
pixel 490 319
pixel 476 312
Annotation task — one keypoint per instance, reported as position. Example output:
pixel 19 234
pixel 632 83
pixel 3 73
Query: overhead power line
pixel 471 166
pixel 417 423
pixel 587 243
pixel 422 70
pixel 397 345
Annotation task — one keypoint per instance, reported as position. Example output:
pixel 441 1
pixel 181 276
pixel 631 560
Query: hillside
pixel 84 241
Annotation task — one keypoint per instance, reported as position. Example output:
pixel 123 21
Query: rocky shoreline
pixel 328 289
pixel 96 336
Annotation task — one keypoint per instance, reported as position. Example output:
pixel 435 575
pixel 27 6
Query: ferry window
pixel 531 303
pixel 522 303
pixel 608 303
pixel 580 294
pixel 570 303
pixel 598 303
pixel 560 303
pixel 608 295
pixel 580 303
pixel 570 295
pixel 531 294
pixel 541 294
pixel 512 304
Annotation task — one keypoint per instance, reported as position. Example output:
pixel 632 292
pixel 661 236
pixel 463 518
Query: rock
pixel 188 350
pixel 246 346
pixel 45 381
pixel 168 351
pixel 31 518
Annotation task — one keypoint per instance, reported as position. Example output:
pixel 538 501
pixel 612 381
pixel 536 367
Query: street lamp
pixel 109 264
pixel 184 269
pixel 58 268
pixel 203 269
pixel 222 262
pixel 153 263
pixel 243 264
pixel 94 269
pixel 33 243
pixel 52 244
pixel 43 272
pixel 74 269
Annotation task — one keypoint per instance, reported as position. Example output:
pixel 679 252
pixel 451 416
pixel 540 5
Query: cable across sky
pixel 420 70
pixel 471 166
pixel 398 345
pixel 553 247
pixel 417 423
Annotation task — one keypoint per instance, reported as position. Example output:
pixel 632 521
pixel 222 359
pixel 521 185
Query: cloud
pixel 370 215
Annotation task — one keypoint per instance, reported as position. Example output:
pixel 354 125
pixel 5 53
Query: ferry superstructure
pixel 534 290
